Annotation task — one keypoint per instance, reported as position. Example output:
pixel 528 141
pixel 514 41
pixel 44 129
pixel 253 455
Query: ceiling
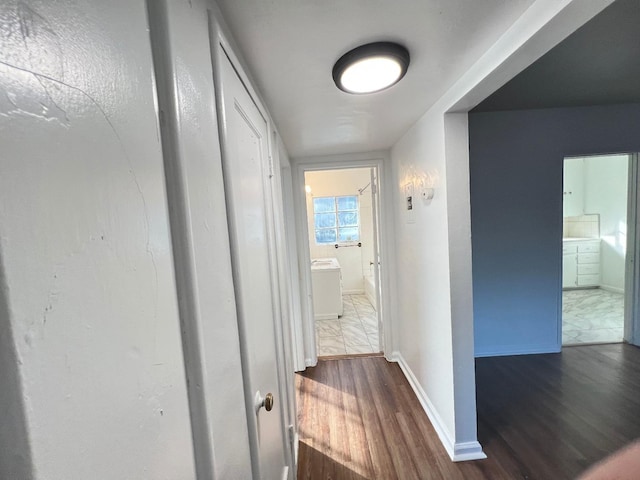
pixel 598 64
pixel 290 47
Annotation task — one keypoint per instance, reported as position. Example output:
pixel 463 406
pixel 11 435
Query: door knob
pixel 266 401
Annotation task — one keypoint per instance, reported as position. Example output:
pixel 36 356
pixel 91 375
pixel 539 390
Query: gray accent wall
pixel 516 160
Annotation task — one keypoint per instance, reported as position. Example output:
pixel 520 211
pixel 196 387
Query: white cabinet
pixel 569 270
pixel 573 187
pixel 580 263
pixel 326 282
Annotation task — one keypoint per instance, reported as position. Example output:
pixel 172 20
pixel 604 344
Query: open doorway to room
pixel 342 223
pixel 596 226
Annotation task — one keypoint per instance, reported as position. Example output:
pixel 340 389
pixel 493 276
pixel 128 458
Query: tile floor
pixel 355 332
pixel 592 316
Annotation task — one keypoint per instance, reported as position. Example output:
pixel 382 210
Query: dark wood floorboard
pixel 540 417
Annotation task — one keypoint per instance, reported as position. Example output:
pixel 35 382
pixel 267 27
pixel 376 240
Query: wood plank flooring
pixel 539 417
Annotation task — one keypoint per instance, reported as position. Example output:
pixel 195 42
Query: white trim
pixel 379 160
pixel 632 266
pixel 307 321
pixel 465 451
pixel 459 452
pixel 540 28
pixel 354 292
pixel 297 339
pixel 325 316
pixel 328 162
pixel 285 473
pixel 507 350
pixel 609 288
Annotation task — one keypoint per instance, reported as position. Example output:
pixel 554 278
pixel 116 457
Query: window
pixel 336 219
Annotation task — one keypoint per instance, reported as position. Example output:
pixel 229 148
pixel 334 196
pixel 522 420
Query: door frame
pixel 222 46
pixel 632 268
pixel 631 333
pixel 380 161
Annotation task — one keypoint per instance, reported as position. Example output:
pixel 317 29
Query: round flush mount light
pixel 371 68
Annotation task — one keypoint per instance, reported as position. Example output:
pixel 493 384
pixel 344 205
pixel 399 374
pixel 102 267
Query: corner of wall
pixel 457 451
pixel 15 454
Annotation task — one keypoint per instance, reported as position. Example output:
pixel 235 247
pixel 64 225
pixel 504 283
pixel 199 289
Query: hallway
pixel 359 419
pixel 539 417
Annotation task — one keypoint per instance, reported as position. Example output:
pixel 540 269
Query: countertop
pixel 580 239
pixel 325 264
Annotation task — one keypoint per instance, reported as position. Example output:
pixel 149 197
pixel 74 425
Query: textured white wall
pixel 605 193
pixel 88 286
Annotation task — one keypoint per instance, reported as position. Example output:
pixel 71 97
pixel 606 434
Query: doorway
pixel 596 224
pixel 342 228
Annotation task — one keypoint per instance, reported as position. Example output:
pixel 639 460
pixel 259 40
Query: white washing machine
pixel 326 280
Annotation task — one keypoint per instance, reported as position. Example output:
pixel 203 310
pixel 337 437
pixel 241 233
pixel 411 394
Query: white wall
pixel 86 253
pixel 423 320
pixel 605 193
pixel 354 261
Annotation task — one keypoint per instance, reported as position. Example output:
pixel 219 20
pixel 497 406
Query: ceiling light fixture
pixel 371 68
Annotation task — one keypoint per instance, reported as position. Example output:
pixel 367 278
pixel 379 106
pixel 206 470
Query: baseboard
pixel 353 292
pixel 311 362
pixel 465 451
pixel 326 316
pixel 459 452
pixel 609 288
pixel 508 350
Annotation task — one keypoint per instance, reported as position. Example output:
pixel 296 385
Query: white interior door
pixel 245 165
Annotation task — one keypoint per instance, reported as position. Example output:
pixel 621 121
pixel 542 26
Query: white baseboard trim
pixel 353 292
pixel 609 288
pixel 504 351
pixel 326 316
pixel 459 452
pixel 311 362
pixel 465 451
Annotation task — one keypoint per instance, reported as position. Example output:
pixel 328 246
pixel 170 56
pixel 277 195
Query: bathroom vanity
pixel 326 281
pixel 580 262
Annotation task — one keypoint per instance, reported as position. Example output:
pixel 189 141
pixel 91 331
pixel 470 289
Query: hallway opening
pixel 342 226
pixel 597 225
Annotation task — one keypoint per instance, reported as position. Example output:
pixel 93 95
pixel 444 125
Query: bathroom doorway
pixel 597 228
pixel 342 228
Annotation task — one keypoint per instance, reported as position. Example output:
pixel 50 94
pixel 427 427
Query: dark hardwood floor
pixel 539 417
